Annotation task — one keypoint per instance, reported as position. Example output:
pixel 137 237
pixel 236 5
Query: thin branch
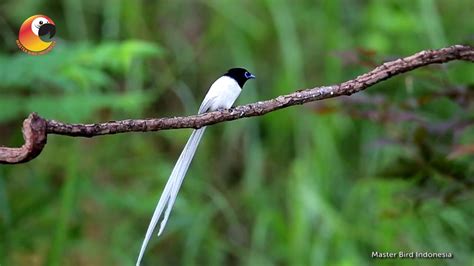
pixel 34 143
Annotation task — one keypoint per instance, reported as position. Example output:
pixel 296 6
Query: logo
pixel 35 36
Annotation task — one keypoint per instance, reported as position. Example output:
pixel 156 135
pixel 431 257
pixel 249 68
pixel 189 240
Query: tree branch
pixel 34 133
pixel 35 128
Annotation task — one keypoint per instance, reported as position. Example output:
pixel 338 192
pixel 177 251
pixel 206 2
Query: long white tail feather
pixel 190 149
pixel 179 173
pixel 171 189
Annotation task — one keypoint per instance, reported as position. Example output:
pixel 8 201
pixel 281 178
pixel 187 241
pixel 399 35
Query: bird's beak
pixel 251 76
pixel 46 32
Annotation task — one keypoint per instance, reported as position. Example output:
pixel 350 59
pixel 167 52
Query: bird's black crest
pixel 241 75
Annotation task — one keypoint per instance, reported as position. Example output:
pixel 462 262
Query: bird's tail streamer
pixel 170 192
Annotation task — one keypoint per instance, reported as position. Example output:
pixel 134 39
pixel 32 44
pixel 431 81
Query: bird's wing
pixel 213 95
pixel 206 103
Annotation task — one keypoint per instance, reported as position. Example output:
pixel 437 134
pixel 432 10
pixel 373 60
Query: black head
pixel 241 75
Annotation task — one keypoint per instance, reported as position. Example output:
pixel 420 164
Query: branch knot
pixel 34 134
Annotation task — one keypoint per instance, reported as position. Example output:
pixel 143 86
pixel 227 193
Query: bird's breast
pixel 228 98
pixel 224 93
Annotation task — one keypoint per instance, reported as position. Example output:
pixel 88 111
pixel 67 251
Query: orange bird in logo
pixel 36 33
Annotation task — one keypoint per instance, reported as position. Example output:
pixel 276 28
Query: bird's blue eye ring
pixel 248 75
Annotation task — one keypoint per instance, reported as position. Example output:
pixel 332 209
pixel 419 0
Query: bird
pixel 221 95
pixel 36 33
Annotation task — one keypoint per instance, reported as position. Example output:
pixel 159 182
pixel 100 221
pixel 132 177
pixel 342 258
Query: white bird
pixel 221 95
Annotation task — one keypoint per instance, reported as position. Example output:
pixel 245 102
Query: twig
pixel 35 135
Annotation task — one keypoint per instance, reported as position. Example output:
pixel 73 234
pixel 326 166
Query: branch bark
pixel 35 128
pixel 34 133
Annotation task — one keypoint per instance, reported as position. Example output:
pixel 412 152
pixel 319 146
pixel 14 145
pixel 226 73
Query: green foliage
pixel 75 81
pixel 388 170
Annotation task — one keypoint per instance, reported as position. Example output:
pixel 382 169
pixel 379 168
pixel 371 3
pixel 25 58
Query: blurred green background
pixel 389 169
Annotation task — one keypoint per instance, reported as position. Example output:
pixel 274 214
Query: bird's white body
pixel 221 95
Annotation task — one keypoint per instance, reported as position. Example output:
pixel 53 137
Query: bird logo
pixel 35 36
